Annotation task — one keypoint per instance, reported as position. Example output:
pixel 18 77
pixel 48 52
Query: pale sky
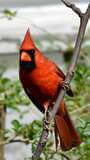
pixel 24 3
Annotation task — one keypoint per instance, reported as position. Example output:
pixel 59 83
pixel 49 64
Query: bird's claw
pixel 46 124
pixel 66 86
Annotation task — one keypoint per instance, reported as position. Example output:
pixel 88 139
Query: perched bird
pixel 42 80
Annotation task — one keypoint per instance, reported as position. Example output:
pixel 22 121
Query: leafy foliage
pixel 27 131
pixel 81 87
pixel 11 93
pixel 9 14
pixel 31 132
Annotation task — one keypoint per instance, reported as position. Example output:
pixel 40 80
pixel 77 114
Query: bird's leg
pixel 47 107
pixel 46 122
pixel 46 115
pixel 46 104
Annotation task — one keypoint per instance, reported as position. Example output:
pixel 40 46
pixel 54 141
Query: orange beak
pixel 25 57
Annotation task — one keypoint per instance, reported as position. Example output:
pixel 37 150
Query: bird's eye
pixel 31 51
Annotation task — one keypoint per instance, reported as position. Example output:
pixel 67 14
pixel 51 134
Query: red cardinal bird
pixel 42 80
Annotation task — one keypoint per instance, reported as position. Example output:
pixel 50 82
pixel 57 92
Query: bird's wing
pixel 34 100
pixel 55 67
pixel 61 74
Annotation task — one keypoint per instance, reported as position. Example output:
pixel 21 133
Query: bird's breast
pixel 45 81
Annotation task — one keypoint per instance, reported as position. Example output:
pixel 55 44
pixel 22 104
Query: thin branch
pixel 15 141
pixel 64 155
pixel 43 138
pixel 88 11
pixel 70 73
pixel 73 7
pixel 81 111
pixel 83 23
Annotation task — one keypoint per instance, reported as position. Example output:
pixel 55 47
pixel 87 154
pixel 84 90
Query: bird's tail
pixel 65 133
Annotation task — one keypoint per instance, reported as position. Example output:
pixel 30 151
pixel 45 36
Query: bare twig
pixel 83 23
pixel 81 111
pixel 15 141
pixel 79 40
pixel 64 156
pixel 73 7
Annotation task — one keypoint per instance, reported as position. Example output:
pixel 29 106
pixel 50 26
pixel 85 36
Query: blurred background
pixel 54 28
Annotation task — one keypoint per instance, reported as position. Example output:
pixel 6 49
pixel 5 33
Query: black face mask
pixel 28 66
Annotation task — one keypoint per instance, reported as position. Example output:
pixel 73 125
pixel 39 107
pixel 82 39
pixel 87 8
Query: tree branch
pixel 83 23
pixel 64 156
pixel 73 7
pixel 14 141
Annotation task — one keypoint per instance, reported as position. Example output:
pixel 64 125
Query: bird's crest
pixel 27 43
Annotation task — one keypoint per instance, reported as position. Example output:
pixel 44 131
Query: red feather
pixel 42 80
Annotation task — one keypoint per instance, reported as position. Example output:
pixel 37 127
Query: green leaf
pixel 16 125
